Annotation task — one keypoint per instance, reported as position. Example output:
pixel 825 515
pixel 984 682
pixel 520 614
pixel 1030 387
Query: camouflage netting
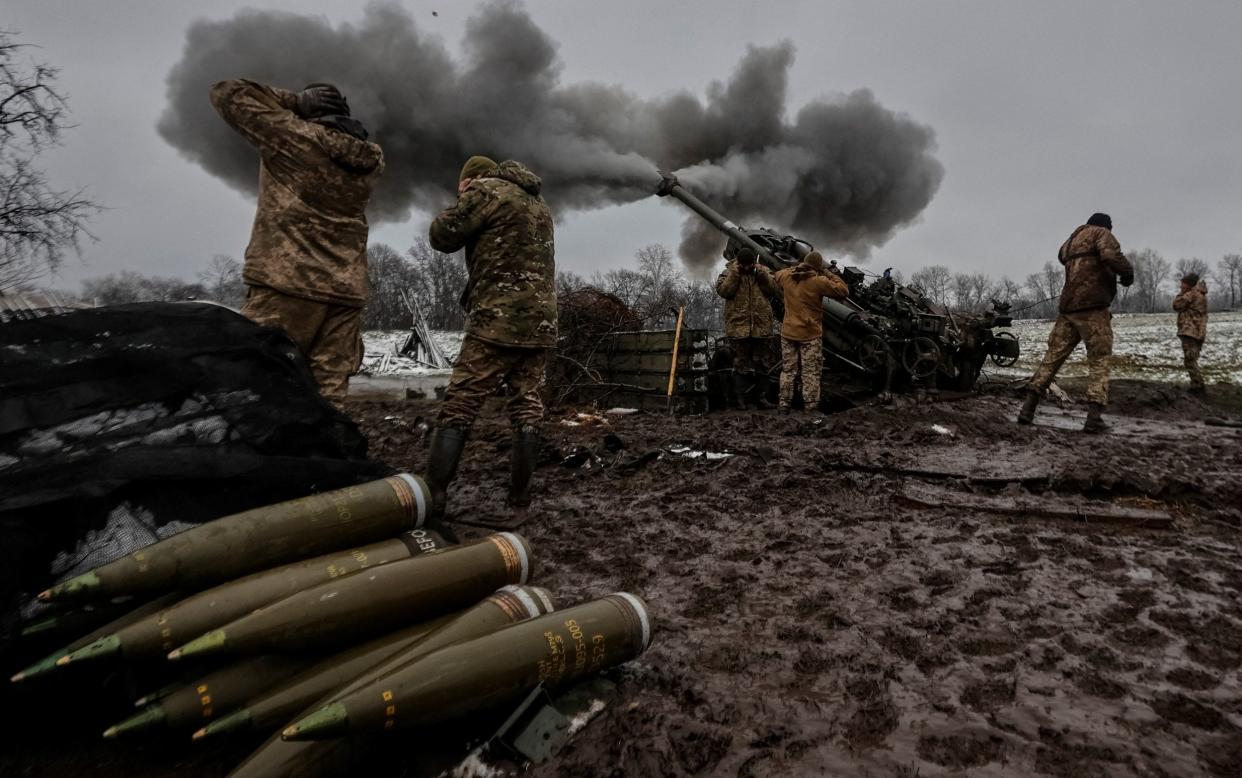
pixel 585 316
pixel 121 425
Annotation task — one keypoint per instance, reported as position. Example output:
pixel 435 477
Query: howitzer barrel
pixel 671 187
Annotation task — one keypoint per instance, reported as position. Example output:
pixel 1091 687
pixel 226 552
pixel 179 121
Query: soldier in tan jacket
pixel 746 286
pixel 306 264
pixel 1191 307
pixel 803 288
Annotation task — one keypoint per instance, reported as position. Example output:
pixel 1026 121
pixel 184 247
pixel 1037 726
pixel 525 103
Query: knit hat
pixel 746 256
pixel 1191 279
pixel 815 260
pixel 475 167
pixel 1101 220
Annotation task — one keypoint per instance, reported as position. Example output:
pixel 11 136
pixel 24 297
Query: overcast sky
pixel 1044 111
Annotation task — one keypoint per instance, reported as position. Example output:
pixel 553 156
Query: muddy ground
pixel 813 621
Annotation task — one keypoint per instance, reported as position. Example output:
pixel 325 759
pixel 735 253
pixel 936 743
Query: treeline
pixel 656 287
pixel 1036 296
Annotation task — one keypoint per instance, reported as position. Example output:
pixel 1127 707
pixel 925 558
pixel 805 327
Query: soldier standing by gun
pixel 1191 307
pixel 510 301
pixel 745 286
pixel 1093 264
pixel 804 288
pixel 306 264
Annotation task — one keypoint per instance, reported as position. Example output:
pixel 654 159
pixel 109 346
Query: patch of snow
pixel 690 453
pixel 1139 573
pixel 473 766
pixel 940 429
pixel 582 719
pixel 621 411
pixel 380 357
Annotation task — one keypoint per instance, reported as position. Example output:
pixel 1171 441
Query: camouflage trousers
pixel 807 360
pixel 1190 358
pixel 1093 328
pixel 478 373
pixel 751 356
pixel 329 335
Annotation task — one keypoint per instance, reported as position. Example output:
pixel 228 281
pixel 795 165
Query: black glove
pixel 321 100
pixel 1127 279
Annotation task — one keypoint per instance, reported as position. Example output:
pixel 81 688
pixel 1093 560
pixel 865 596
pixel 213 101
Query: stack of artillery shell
pixel 491 670
pixel 235 684
pixel 370 602
pixel 156 635
pixel 258 539
pixel 305 694
pixel 316 627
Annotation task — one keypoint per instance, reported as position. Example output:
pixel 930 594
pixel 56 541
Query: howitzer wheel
pixel 873 353
pixel 1005 361
pixel 920 357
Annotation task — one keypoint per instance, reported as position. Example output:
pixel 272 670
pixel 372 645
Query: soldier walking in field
pixel 502 222
pixel 745 286
pixel 1093 265
pixel 306 264
pixel 803 288
pixel 1191 307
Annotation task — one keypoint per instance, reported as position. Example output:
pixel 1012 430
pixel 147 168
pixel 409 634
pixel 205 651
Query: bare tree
pixel 391 279
pixel 38 223
pixel 1008 290
pixel 440 280
pixel 1194 265
pixel 568 281
pixel 934 280
pixel 1230 269
pixel 1150 271
pixel 130 287
pixel 222 279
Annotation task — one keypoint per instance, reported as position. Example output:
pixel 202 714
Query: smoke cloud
pixel 846 173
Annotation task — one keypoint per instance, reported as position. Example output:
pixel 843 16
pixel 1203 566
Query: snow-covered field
pixel 380 352
pixel 1145 346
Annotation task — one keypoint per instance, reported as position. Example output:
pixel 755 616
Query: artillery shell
pixel 488 671
pixel 48 663
pixel 378 599
pixel 257 539
pixel 202 612
pixel 274 708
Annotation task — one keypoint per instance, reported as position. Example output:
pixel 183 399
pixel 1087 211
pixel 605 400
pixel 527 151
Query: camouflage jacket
pixel 747 312
pixel 803 290
pixel 310 230
pixel 1093 263
pixel 1191 307
pixel 506 229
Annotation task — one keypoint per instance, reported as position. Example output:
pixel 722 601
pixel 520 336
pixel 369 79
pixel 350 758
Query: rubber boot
pixel 740 385
pixel 1094 423
pixel 1027 414
pixel 525 458
pixel 443 454
pixel 762 386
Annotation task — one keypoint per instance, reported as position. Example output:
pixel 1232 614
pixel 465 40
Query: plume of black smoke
pixel 845 174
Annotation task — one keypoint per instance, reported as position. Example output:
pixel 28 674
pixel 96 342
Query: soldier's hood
pixel 517 173
pixel 803 271
pixel 353 154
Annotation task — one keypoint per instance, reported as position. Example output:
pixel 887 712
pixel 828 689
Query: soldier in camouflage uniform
pixel 745 286
pixel 1191 307
pixel 510 300
pixel 306 264
pixel 803 289
pixel 1093 264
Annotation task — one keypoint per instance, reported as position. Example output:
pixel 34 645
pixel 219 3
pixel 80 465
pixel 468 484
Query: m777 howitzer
pixel 884 336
